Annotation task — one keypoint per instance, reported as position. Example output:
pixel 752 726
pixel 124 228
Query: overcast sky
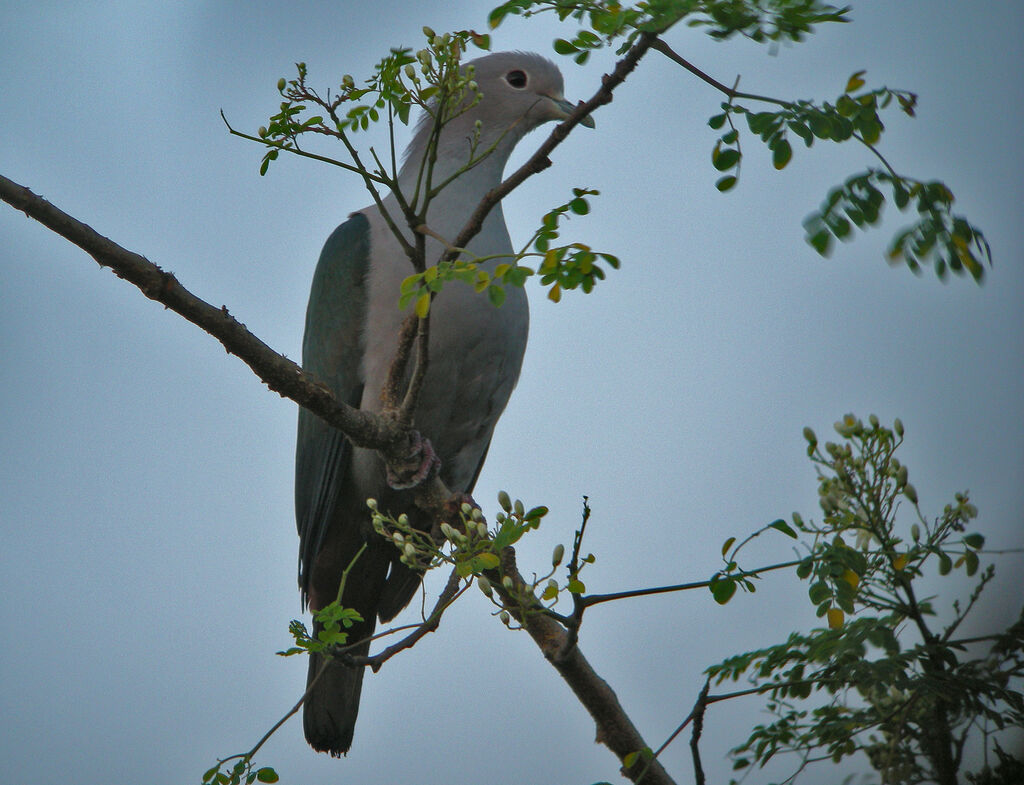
pixel 148 551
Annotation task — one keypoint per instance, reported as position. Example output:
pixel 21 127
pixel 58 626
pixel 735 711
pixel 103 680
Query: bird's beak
pixel 567 109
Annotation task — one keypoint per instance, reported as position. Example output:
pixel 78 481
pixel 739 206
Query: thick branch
pixel 275 370
pixel 364 428
pixel 614 727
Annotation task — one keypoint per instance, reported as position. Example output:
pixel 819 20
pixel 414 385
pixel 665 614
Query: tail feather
pixel 330 710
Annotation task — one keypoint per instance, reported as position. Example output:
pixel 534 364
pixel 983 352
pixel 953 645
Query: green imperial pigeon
pixel 352 326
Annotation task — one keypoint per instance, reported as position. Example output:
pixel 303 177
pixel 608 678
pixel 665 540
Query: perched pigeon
pixel 352 326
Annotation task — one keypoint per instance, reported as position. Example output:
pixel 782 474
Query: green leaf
pixel 536 513
pixel 579 206
pixel 855 82
pixel 486 561
pixel 717 121
pixel 496 295
pixel 781 154
pixel 727 545
pixel 722 589
pixel 974 540
pixel 575 586
pixel 804 569
pixel 821 241
pixel 945 564
pixel 726 183
pixel 782 526
pixel 563 47
pixel 819 592
pixel 726 159
pixel 971 560
pixel 266 774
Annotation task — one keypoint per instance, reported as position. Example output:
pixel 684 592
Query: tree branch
pixel 365 429
pixel 538 162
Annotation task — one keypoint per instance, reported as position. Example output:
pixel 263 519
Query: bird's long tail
pixel 330 710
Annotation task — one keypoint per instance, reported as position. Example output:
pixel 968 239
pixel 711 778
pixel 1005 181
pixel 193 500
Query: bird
pixel 351 335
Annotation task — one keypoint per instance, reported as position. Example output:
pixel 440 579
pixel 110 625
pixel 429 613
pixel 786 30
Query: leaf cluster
pixel 906 702
pixel 241 772
pixel 608 20
pixel 562 267
pixel 938 236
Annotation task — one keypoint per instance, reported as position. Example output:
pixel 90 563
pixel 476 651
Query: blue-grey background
pixel 147 549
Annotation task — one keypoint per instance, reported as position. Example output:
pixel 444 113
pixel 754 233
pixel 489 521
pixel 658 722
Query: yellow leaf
pixel 900 562
pixel 855 82
pixel 555 293
pixel 423 305
pixel 835 618
pixel 851 578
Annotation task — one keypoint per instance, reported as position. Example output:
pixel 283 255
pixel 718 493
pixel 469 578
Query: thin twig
pixel 595 599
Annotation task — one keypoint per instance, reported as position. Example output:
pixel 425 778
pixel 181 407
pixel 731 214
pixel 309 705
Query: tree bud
pixel 556 557
pixel 485 585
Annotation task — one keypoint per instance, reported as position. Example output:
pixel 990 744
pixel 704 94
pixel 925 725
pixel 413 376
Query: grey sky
pixel 147 559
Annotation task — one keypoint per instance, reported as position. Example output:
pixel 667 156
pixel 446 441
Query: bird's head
pixel 519 87
pixel 514 93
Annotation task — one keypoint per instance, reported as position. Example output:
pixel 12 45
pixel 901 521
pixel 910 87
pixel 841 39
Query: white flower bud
pixel 371 503
pixel 504 617
pixel 477 514
pixel 910 492
pixel 556 557
pixel 503 500
pixel 485 585
pixel 410 71
pixel 466 509
pixel 507 582
pixel 898 426
pixel 428 32
pixel 348 81
pixel 409 550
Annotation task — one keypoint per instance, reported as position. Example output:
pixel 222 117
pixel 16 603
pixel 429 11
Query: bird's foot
pixel 418 466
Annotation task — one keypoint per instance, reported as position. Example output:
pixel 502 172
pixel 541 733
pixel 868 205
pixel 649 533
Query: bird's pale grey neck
pixel 452 207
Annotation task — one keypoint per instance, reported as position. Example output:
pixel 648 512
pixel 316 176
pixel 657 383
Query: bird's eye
pixel 516 78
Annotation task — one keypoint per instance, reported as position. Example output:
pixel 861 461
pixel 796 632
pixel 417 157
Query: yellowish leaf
pixel 423 305
pixel 835 618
